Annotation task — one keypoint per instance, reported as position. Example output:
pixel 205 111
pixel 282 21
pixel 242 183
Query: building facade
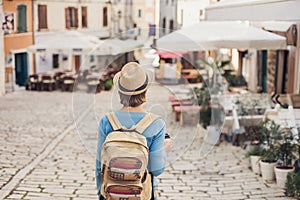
pixel 18 35
pixel 167 17
pixel 58 17
pixel 278 70
pixel 2 55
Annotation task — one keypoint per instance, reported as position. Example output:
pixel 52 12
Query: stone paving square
pixel 42 156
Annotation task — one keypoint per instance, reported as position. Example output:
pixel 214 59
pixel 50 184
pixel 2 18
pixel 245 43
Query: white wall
pixel 188 11
pixel 43 62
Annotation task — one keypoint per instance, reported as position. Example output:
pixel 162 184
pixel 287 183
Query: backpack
pixel 124 159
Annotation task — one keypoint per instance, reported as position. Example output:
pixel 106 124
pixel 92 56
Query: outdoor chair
pixel 34 83
pixel 58 79
pixel 68 84
pixel 47 83
pixel 93 85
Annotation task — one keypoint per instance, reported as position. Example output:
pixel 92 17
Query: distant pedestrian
pixel 132 83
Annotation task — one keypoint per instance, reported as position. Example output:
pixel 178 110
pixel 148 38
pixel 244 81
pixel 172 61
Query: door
pixel 21 68
pixel 77 63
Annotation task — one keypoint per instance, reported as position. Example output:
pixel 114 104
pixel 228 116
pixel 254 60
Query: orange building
pixel 17 26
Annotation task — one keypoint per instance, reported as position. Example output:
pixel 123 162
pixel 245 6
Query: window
pixel 105 17
pixel 84 23
pixel 164 25
pixel 22 18
pixel 201 12
pixel 171 25
pixel 42 15
pixel 71 17
pixel 139 13
pixel 55 62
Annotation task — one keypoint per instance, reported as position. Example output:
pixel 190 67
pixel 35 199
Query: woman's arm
pixel 157 161
pixel 101 138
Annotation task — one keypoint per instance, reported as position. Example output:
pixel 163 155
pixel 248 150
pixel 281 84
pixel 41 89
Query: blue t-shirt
pixel 155 135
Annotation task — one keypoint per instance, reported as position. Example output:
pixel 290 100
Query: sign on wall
pixel 8 22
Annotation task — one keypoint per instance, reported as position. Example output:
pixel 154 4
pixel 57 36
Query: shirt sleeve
pixel 157 161
pixel 103 129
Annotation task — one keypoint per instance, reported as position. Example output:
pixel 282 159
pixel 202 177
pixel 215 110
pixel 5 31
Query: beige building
pixel 54 19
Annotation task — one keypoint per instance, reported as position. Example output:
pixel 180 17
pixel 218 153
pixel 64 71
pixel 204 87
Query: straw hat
pixel 132 79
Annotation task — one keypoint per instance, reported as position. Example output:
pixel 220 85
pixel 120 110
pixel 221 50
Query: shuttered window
pixel 22 18
pixel 105 17
pixel 71 15
pixel 84 21
pixel 42 14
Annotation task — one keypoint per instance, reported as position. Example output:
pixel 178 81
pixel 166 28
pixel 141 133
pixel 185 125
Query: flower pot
pixel 267 170
pixel 255 166
pixel 213 135
pixel 281 174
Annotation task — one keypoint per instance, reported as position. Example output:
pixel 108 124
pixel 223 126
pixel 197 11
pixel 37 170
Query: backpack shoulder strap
pixel 146 121
pixel 114 122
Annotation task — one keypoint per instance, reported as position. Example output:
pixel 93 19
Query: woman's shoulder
pixel 104 125
pixel 157 125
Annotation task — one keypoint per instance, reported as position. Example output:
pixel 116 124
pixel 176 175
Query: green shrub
pixel 292 185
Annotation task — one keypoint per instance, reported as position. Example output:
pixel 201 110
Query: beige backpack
pixel 124 159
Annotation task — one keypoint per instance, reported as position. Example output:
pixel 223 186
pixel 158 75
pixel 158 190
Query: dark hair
pixel 132 100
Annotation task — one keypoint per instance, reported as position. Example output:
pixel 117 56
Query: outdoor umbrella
pixel 116 46
pixel 66 42
pixel 210 35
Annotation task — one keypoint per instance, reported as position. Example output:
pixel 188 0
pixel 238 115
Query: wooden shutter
pixel 84 21
pixel 22 18
pixel 105 17
pixel 42 14
pixel 76 17
pixel 67 15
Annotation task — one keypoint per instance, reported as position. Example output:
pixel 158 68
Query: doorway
pixel 21 68
pixel 77 63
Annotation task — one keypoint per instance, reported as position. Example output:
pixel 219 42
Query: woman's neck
pixel 132 109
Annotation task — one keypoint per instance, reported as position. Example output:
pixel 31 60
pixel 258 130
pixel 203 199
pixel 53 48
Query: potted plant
pixel 285 150
pixel 270 132
pixel 108 84
pixel 292 185
pixel 255 156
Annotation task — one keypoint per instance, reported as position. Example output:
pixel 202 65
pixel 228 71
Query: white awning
pixel 209 35
pixel 65 42
pixel 116 46
pixel 74 42
pixel 261 10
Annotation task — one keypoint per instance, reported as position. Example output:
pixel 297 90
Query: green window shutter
pixel 22 18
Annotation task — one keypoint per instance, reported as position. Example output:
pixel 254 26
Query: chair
pixel 93 85
pixel 48 83
pixel 68 84
pixel 58 79
pixel 34 83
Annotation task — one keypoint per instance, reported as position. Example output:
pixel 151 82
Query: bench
pixel 180 103
pixel 179 110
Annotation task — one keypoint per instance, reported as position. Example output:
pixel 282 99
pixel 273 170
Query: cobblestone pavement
pixel 43 157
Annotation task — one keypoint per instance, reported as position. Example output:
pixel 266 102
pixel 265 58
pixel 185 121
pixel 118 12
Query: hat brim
pixel 116 85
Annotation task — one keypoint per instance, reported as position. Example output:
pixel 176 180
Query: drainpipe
pixel 296 87
pixel 2 60
pixel 33 37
